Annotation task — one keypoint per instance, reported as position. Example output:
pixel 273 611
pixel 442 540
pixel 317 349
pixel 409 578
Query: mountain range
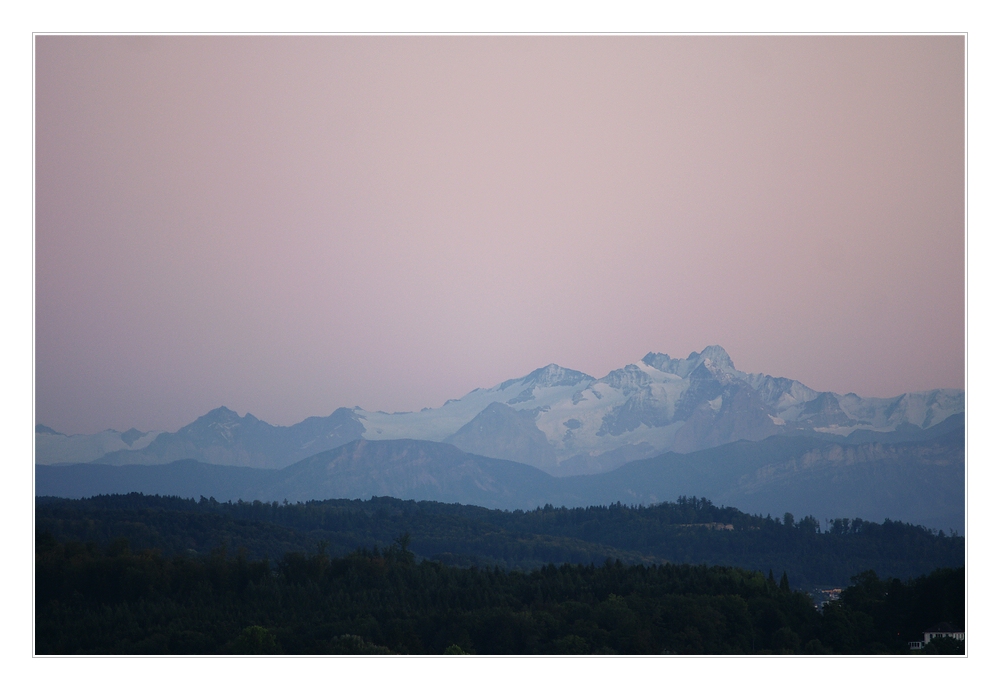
pixel 51 447
pixel 919 481
pixel 555 419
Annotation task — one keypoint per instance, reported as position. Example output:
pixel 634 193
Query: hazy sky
pixel 287 225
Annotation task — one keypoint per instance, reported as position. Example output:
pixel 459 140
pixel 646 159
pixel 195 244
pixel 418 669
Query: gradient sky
pixel 287 225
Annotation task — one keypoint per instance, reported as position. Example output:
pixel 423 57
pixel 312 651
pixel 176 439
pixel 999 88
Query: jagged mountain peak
pixel 713 357
pixel 628 379
pixel 549 376
pixel 222 421
pixel 716 356
pixel 219 413
pixel 131 436
pixel 223 415
pixel 657 360
pixel 553 415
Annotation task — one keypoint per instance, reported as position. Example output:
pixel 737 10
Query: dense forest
pixel 686 531
pixel 114 600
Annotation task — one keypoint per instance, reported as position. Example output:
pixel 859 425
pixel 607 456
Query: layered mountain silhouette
pixel 222 437
pixel 556 419
pixel 920 481
pixel 52 447
pixel 501 431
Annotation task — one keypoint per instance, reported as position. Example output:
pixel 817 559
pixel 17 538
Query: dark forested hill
pixel 382 601
pixel 687 531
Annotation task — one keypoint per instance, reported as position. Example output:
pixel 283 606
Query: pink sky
pixel 287 225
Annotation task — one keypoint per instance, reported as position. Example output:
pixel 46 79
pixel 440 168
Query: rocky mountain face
pixel 559 420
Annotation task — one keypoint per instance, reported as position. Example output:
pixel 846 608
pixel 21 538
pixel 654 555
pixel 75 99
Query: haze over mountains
pixel 643 434
pixel 222 437
pixel 559 420
pixel 52 447
pixel 920 481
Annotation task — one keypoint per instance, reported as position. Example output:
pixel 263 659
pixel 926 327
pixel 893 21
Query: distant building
pixel 939 630
pixel 824 595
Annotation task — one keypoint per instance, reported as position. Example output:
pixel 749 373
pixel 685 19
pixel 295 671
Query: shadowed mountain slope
pixel 419 470
pixel 919 482
pixel 500 431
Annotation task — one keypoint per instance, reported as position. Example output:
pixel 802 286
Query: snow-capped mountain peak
pixel 715 356
pixel 561 420
pixel 555 375
pixel 658 403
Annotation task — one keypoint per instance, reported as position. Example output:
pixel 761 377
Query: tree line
pixel 689 530
pixel 383 600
